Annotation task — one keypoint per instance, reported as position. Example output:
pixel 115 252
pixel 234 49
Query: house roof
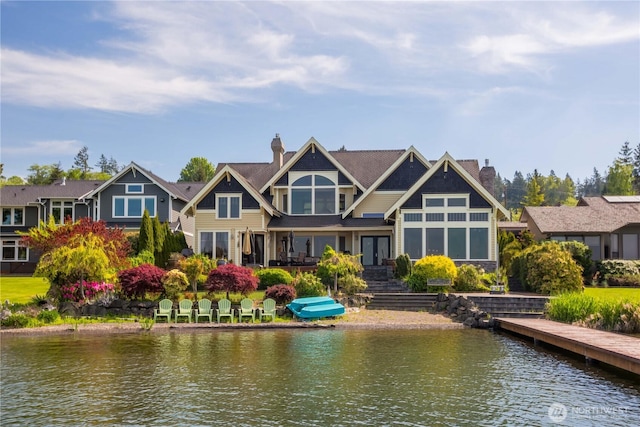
pixel 23 195
pixel 592 215
pixel 318 222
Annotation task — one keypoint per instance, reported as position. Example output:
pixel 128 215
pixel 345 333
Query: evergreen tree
pixel 114 168
pixel 625 154
pixel 145 241
pixel 568 191
pixel 516 191
pixel 534 195
pixel 636 169
pixel 551 189
pixel 81 161
pixel 103 164
pixel 158 241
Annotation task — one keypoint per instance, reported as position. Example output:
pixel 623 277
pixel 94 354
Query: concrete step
pixel 402 301
pixel 518 314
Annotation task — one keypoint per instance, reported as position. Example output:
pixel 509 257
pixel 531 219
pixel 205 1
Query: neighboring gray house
pixel 609 225
pixel 120 201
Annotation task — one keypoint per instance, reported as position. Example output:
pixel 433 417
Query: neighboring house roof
pixel 448 161
pixel 604 214
pixel 23 195
pixel 184 190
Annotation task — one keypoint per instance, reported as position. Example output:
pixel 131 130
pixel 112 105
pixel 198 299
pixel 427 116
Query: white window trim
pixel 62 208
pixel 213 232
pixel 129 191
pixel 330 175
pixel 13 215
pixel 15 245
pixel 126 206
pixel 228 196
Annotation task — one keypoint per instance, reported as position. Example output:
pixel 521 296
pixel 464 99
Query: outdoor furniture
pixel 268 309
pixel 184 310
pixel 224 310
pixel 246 310
pixel 163 310
pixel 204 310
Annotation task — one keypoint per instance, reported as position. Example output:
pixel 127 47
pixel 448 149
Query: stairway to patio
pixel 403 301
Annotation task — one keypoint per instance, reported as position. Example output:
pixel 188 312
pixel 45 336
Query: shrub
pixel 174 282
pixel 470 279
pixel 143 257
pixel 403 266
pixel 137 281
pixel 16 320
pixel 92 291
pixel 628 280
pixel 351 284
pixel 308 285
pixel 581 254
pixel 598 313
pixel 232 278
pixel 429 268
pixel 48 316
pixel 273 276
pixel 281 293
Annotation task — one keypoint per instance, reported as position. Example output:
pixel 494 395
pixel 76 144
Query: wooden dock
pixel 617 350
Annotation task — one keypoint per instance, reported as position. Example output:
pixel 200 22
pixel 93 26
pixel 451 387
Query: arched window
pixel 313 194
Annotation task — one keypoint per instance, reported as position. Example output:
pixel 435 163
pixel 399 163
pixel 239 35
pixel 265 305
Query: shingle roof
pixel 22 195
pixel 319 221
pixel 592 215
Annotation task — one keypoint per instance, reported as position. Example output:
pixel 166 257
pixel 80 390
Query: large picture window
pixel 313 195
pixel 457 243
pixel 133 206
pixel 479 243
pixel 413 242
pixel 12 216
pixel 435 241
pixel 13 250
pixel 228 206
pixel 214 244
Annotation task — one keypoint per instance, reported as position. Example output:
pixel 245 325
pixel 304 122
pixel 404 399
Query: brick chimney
pixel 488 177
pixel 278 150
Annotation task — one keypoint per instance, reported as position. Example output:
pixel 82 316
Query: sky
pixel 552 86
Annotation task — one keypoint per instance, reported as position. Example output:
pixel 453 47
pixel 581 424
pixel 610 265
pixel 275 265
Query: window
pixel 313 195
pixel 435 217
pixel 342 202
pixel 434 203
pixel 61 211
pixel 479 216
pixel 373 215
pixel 413 242
pixel 133 207
pixel 319 243
pixel 457 201
pixel 457 243
pixel 629 246
pixel 435 241
pixel 134 189
pixel 456 216
pixel 413 217
pixel 12 216
pixel 594 244
pixel 214 239
pixel 13 250
pixel 228 206
pixel 479 243
pixel 285 203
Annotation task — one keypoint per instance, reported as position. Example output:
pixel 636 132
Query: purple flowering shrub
pixel 92 291
pixel 281 293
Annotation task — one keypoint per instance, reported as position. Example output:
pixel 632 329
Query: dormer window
pixel 313 194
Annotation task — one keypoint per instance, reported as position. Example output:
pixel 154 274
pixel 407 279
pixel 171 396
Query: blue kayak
pixel 315 307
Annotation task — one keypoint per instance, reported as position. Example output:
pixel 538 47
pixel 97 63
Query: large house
pixel 120 201
pixel 377 203
pixel 609 225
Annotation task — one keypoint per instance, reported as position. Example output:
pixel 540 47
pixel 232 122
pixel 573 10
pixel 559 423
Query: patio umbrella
pixel 246 244
pixel 291 242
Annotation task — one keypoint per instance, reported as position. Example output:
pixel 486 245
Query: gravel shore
pixel 354 319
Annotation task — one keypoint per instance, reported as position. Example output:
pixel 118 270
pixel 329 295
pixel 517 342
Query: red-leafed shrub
pixel 137 281
pixel 232 278
pixel 283 294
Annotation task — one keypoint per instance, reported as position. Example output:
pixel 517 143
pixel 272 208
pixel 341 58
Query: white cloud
pixel 52 148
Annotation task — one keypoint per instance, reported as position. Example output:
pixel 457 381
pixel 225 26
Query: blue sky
pixel 546 85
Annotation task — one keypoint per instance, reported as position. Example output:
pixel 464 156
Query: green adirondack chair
pixel 204 310
pixel 224 310
pixel 163 310
pixel 184 310
pixel 246 310
pixel 268 309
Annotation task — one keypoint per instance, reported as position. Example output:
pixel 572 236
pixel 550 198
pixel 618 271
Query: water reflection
pixel 311 378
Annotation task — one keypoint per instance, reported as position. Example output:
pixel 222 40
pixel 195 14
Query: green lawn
pixel 20 290
pixel 631 294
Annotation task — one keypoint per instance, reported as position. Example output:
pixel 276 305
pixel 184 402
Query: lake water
pixel 304 378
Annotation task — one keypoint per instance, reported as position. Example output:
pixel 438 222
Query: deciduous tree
pixel 198 169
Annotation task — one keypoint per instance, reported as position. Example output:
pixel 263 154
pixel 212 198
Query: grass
pixel 20 290
pixel 630 294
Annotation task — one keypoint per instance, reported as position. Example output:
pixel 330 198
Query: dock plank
pixel 621 351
